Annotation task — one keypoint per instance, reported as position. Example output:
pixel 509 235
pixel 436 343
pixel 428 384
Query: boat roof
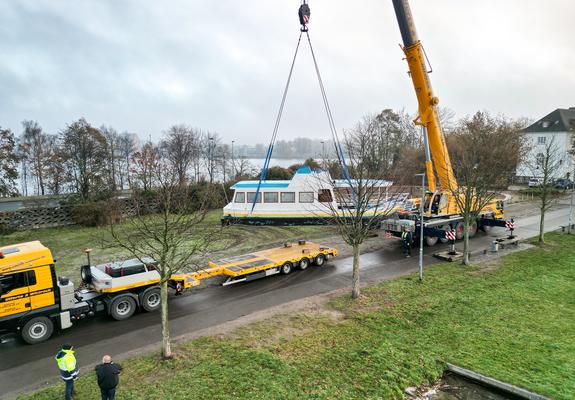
pixel 305 170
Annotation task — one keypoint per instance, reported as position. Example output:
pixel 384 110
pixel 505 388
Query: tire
pixel 431 240
pixel 151 299
pixel 473 229
pixel 319 260
pixel 37 330
pixel 286 268
pixel 303 263
pixel 86 274
pixel 459 230
pixel 122 307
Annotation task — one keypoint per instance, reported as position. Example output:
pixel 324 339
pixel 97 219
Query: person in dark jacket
pixel 68 368
pixel 406 239
pixel 108 377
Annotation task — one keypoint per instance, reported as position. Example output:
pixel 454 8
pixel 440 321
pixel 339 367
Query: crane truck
pixel 441 210
pixel 34 301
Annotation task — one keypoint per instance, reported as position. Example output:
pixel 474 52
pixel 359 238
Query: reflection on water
pixel 456 388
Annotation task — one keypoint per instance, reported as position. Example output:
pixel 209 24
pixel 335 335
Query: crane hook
pixel 304 14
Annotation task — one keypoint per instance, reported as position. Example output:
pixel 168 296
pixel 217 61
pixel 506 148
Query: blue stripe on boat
pixel 240 185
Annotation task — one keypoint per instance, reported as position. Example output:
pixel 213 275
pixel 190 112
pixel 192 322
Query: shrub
pixel 94 214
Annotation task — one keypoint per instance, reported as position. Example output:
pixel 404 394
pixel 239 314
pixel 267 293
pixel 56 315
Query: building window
pixel 546 124
pixel 306 197
pixel 541 140
pixel 252 196
pixel 540 160
pixel 288 197
pixel 240 197
pixel 271 197
pixel 324 196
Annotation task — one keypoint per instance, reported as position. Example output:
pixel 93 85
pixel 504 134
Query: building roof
pixel 560 120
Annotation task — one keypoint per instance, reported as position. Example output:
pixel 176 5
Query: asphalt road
pixel 24 367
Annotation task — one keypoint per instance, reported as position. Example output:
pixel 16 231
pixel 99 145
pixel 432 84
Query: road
pixel 24 367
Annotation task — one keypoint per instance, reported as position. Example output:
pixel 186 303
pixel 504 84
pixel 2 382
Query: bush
pixel 94 214
pixel 7 229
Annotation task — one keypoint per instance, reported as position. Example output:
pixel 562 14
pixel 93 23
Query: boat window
pixel 240 197
pixel 271 197
pixel 252 196
pixel 324 196
pixel 306 197
pixel 288 197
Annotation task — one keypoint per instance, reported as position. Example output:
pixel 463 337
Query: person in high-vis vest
pixel 406 239
pixel 68 368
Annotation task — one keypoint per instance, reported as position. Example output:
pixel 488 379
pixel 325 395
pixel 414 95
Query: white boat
pixel 310 197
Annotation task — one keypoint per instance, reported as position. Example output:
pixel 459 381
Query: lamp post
pixel 571 203
pixel 421 225
pixel 323 150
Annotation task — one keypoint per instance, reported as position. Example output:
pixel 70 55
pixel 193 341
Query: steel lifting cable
pixel 264 171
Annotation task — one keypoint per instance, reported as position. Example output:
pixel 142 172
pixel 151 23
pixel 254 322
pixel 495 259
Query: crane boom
pixel 427 101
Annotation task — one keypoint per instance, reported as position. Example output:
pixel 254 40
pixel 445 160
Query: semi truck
pixel 35 302
pixel 441 209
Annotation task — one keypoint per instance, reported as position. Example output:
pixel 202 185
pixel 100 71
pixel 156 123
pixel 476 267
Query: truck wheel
pixel 151 299
pixel 122 307
pixel 431 240
pixel 319 260
pixel 286 268
pixel 37 330
pixel 303 263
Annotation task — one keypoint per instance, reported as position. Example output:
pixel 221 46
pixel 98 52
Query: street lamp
pixel 421 225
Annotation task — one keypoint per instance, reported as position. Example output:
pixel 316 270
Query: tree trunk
pixel 542 226
pixel 466 242
pixel 166 346
pixel 355 284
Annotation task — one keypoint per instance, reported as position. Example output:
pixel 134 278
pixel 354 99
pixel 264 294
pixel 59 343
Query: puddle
pixel 454 387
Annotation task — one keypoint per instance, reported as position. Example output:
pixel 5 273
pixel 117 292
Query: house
pixel 557 128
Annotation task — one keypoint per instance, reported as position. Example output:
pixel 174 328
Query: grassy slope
pixel 68 243
pixel 514 323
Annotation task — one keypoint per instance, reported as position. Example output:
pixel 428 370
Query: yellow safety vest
pixel 67 364
pixel 404 235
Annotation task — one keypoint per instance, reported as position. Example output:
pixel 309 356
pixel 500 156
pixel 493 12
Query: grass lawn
pixel 67 243
pixel 514 321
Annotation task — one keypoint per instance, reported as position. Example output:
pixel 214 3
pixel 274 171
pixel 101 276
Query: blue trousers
pixel 69 389
pixel 109 394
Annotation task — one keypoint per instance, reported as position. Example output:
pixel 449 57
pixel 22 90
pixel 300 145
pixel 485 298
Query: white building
pixel 558 128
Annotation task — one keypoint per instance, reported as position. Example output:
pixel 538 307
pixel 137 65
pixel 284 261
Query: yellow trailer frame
pixel 239 268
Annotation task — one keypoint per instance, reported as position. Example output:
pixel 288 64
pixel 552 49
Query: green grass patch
pixel 513 321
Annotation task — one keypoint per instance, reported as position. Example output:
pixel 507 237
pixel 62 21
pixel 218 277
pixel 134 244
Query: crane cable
pixel 304 17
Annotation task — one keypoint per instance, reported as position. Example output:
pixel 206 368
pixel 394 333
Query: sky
pixel 141 66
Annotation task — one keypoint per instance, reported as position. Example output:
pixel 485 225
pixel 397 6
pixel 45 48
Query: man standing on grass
pixel 108 377
pixel 68 368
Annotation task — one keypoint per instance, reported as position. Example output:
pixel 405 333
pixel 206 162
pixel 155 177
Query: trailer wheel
pixel 303 263
pixel 431 240
pixel 122 307
pixel 319 260
pixel 459 230
pixel 472 229
pixel 286 268
pixel 37 330
pixel 151 299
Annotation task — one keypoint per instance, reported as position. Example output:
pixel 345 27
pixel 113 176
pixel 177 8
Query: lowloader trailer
pixel 34 302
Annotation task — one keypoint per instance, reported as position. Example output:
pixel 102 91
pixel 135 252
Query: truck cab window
pixel 16 281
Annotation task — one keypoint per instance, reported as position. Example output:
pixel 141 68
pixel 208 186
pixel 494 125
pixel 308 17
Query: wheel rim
pixel 303 264
pixel 154 300
pixel 38 330
pixel 319 260
pixel 124 307
pixel 286 268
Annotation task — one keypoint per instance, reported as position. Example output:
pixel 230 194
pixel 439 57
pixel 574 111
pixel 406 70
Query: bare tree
pixel 173 238
pixel 55 171
pixel 8 163
pixel 210 144
pixel 35 141
pixel 85 153
pixel 546 166
pixel 126 150
pixel 145 163
pixel 178 149
pixel 361 199
pixel 480 168
pixel 111 150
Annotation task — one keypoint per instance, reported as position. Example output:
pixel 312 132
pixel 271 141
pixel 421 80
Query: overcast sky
pixel 143 65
